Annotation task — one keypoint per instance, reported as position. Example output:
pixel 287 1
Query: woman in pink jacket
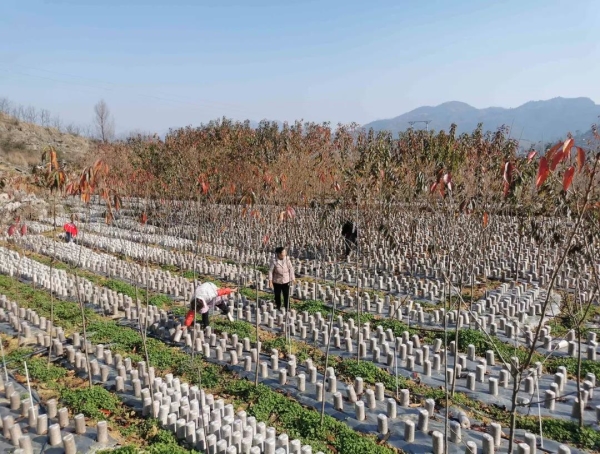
pixel 281 275
pixel 208 294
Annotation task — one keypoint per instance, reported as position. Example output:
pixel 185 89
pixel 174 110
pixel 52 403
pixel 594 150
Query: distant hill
pixel 534 120
pixel 22 143
pixel 255 124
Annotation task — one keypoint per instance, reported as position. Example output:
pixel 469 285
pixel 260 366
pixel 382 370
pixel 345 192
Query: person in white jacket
pixel 206 295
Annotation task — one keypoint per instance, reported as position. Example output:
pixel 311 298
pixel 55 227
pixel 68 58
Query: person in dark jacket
pixel 350 235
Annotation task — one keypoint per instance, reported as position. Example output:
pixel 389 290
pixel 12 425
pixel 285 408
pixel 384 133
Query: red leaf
pixel 265 239
pixel 204 186
pixel 24 230
pixel 553 150
pixel 69 189
pixel 543 172
pixel 580 158
pixel 117 202
pixel 485 220
pixel 531 155
pixel 568 178
pixel 291 213
pixel 432 188
pixel 558 157
pixel 506 188
pixel 11 230
pixel 567 147
pixel 143 218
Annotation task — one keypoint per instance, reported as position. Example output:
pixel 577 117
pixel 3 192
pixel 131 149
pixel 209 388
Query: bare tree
pixel 137 133
pixel 57 123
pixel 103 121
pixel 45 117
pixel 5 105
pixel 73 129
pixel 87 131
pixel 17 112
pixel 30 114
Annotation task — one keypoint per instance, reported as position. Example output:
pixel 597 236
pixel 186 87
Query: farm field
pixel 464 318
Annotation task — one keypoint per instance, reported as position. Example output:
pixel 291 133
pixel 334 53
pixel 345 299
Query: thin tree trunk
pixel 456 332
pixel 516 370
pixel 197 253
pixel 256 278
pixel 330 330
pixel 446 306
pixel 516 375
pixel 143 329
pixel 52 269
pixel 256 327
pixel 519 253
pixel 83 321
pixel 581 405
pixel 358 303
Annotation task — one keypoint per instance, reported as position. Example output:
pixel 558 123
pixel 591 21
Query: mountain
pixel 534 120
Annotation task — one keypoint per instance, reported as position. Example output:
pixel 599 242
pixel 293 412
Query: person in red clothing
pixel 70 231
pixel 205 295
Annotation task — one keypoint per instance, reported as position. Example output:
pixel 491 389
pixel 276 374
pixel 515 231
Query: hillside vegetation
pixel 306 164
pixel 22 143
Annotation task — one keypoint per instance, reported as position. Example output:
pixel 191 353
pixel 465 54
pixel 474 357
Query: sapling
pixel 3 361
pixel 29 390
pixel 330 327
pixel 54 180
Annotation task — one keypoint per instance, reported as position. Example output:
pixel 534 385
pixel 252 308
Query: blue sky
pixel 160 64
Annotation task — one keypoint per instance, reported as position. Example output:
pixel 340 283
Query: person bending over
pixel 206 295
pixel 70 231
pixel 281 275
